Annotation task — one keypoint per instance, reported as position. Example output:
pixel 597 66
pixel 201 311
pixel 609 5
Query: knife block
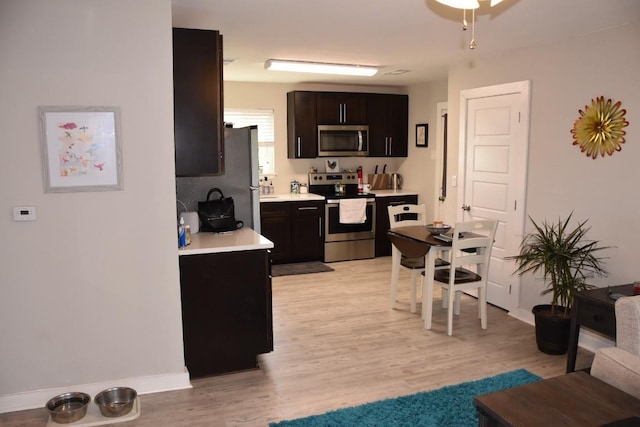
pixel 379 181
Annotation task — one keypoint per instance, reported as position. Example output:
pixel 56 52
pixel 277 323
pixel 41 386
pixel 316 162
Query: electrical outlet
pixel 24 213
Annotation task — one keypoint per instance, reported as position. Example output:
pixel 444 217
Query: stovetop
pixel 323 184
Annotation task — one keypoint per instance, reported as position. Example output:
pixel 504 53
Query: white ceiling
pixel 417 35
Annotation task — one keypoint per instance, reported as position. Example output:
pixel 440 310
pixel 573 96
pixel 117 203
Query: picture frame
pixel 81 148
pixel 332 165
pixel 422 135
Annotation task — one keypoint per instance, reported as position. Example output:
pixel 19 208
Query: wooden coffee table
pixel 575 399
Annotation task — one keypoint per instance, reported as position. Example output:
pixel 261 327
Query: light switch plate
pixel 24 213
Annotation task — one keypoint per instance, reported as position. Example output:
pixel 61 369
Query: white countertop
pixel 290 197
pixel 390 193
pixel 294 197
pixel 244 239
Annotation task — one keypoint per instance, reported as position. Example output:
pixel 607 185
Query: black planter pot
pixel 552 332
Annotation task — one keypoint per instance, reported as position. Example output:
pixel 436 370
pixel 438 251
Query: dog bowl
pixel 438 229
pixel 68 407
pixel 116 401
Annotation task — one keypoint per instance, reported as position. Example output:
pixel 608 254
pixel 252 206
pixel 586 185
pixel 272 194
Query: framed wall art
pixel 422 135
pixel 80 148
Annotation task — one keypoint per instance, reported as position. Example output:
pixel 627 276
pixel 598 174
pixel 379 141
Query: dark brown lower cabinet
pixel 295 228
pixel 226 310
pixel 275 225
pixel 383 244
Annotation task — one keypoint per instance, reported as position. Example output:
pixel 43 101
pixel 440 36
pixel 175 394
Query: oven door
pixel 337 232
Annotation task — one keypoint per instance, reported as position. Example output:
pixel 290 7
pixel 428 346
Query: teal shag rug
pixel 447 406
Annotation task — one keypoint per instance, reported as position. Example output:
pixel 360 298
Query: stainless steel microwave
pixel 343 140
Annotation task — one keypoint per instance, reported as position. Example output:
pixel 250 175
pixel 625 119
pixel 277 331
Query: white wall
pixel 565 77
pixel 418 169
pixel 90 291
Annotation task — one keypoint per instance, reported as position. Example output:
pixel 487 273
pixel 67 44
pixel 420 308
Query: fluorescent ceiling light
pixel 461 4
pixel 465 4
pixel 319 68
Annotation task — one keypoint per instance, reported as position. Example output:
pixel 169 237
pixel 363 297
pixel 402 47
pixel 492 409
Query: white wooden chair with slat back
pixel 404 216
pixel 478 235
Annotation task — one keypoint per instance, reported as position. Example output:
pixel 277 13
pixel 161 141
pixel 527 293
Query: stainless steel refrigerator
pixel 240 180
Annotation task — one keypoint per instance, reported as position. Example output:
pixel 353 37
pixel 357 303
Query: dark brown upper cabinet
pixel 388 119
pixel 198 102
pixel 341 108
pixel 302 136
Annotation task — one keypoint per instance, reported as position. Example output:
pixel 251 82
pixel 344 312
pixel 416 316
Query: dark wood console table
pixel 593 309
pixel 575 399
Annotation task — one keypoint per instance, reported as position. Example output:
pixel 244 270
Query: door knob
pixel 466 208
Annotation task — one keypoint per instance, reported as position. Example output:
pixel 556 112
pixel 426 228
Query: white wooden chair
pixel 404 216
pixel 467 236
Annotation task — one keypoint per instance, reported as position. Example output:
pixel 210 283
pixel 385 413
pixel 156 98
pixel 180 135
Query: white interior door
pixel 493 168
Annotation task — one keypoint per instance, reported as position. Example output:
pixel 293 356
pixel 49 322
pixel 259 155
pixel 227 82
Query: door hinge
pixel 515 205
pixel 509 289
pixel 518 116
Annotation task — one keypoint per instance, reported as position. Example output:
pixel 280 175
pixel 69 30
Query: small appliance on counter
pixel 396 181
pixel 192 221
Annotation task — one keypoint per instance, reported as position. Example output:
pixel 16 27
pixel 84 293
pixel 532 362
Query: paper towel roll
pixel 191 219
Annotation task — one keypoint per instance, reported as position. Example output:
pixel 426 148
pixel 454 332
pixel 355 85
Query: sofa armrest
pixel 619 368
pixel 628 324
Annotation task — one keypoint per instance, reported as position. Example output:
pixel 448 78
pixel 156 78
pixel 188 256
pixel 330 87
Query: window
pixel 266 135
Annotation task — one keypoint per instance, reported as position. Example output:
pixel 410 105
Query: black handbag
pixel 218 215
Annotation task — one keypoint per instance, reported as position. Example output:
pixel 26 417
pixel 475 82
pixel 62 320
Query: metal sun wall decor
pixel 600 128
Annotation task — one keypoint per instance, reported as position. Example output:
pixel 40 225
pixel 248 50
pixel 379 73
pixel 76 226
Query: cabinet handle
pixel 345 113
pixel 308 208
pixel 319 226
pixel 299 147
pixel 390 144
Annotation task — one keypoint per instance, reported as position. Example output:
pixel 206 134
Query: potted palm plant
pixel 566 259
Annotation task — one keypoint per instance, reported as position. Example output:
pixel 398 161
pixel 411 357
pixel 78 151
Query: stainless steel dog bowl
pixel 116 401
pixel 68 407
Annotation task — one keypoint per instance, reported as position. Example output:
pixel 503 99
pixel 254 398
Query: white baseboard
pixel 588 340
pixel 143 385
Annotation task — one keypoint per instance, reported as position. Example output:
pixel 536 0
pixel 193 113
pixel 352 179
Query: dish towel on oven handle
pixel 353 211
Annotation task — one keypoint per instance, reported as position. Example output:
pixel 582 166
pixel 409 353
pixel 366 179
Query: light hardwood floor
pixel 338 344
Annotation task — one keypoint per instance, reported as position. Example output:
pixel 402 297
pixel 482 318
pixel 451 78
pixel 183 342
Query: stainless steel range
pixel 349 241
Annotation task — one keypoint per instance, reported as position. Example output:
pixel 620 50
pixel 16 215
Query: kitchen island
pixel 225 285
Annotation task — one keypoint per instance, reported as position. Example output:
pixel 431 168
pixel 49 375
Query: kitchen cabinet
pixel 295 228
pixel 307 237
pixel 198 102
pixel 388 118
pixel 341 108
pixel 302 131
pixel 275 225
pixel 383 245
pixel 226 310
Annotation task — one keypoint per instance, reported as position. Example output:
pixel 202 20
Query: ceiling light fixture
pixel 319 68
pixel 464 5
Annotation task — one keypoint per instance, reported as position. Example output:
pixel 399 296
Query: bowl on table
pixel 68 407
pixel 116 401
pixel 438 228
